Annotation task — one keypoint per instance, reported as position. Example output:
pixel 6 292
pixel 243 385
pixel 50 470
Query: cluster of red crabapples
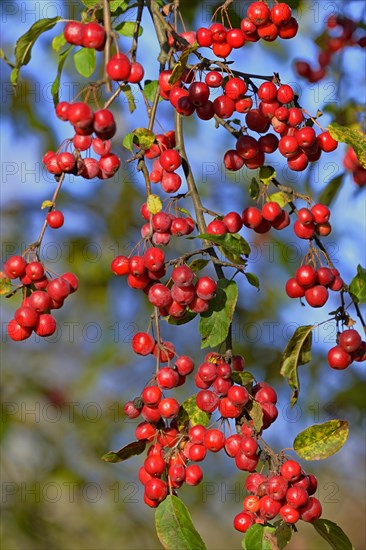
pixel 298 142
pixel 41 295
pixel 183 290
pixel 349 348
pixel 88 35
pixel 229 399
pixel 351 163
pixel 313 284
pixel 261 22
pixel 166 161
pixel 330 45
pixel 287 492
pixel 85 123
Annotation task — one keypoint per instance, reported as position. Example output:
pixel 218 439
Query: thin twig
pixel 107 49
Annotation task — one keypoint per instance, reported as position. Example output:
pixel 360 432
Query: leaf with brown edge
pixel 242 378
pixel 133 449
pixel 321 440
pixel 5 284
pixel 353 137
pixel 297 352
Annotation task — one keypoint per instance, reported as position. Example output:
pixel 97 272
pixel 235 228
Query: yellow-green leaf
pixel 355 138
pixel 242 378
pixel 46 204
pixel 254 189
pixel 5 284
pixel 266 537
pixel 190 414
pixel 197 265
pixel 321 440
pixel 280 198
pixel 175 528
pixel 58 42
pixel 215 322
pixel 133 449
pixel 297 352
pixel 267 174
pixel 143 138
pixel 154 204
pixel 128 141
pixel 357 288
pixel 256 414
pixel 127 28
pixel 85 61
pixel 56 83
pixel 333 534
pixel 182 63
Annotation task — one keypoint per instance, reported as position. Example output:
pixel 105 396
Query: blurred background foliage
pixel 62 397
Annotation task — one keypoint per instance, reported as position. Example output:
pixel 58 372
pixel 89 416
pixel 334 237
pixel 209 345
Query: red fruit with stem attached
pixel 168 407
pixel 306 276
pixel 143 343
pixel 184 365
pixel 285 94
pixel 156 489
pixel 55 219
pixel 246 463
pixel 258 13
pixel 159 295
pixel 238 395
pixel 46 325
pixel 16 332
pixel 199 93
pixel 167 378
pixel 267 91
pixel 235 38
pixel 233 222
pixel 293 289
pixel 316 296
pixel 311 511
pixel 119 67
pixel 277 487
pixel 34 270
pixel 170 160
pixel 224 106
pixel 182 276
pixel 252 217
pixel 73 33
pixel 207 401
pixel 247 147
pixel 235 88
pixel 257 122
pixel 288 30
pixel 194 474
pixel 233 161
pixel 93 36
pixel 289 514
pixel 271 210
pixel 154 465
pixel 297 497
pixel 81 115
pixel 243 521
pixel 338 358
pixel 62 111
pixel 326 142
pixel 304 231
pixel 154 259
pixel 109 164
pixel 206 288
pixel 15 266
pixel 281 13
pixel 82 142
pixel 350 340
pixel 249 446
pixel 268 507
pixel 321 213
pixel 214 440
pixel 204 37
pixel 26 316
pixel 136 73
pixel 145 430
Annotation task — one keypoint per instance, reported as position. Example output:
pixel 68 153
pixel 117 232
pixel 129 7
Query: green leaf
pixel 129 96
pixel 267 174
pixel 256 414
pixel 58 42
pixel 331 189
pixel 333 534
pixel 143 138
pixel 283 534
pixel 355 138
pixel 197 265
pixel 252 279
pixel 280 198
pixel 56 83
pixel 263 537
pixel 231 245
pixel 154 204
pixel 357 288
pixel 242 378
pixel 128 141
pixel 254 189
pixel 182 63
pixel 297 352
pixel 118 5
pixel 24 44
pixel 5 284
pixel 321 440
pixel 4 58
pixel 133 449
pixel 190 414
pixel 14 75
pixel 215 323
pixel 150 87
pixel 127 28
pixel 184 211
pixel 90 3
pixel 85 61
pixel 175 528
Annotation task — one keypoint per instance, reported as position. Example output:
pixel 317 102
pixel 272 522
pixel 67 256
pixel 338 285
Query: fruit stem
pixel 135 37
pixel 38 242
pixel 107 49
